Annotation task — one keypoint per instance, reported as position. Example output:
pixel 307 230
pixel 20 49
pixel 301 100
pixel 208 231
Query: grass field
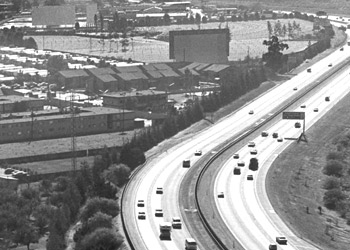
pixel 246 37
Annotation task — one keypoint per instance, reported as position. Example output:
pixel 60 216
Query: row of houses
pixel 159 76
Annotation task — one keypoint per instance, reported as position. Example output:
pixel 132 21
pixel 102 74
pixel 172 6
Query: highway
pixel 246 209
pixel 165 170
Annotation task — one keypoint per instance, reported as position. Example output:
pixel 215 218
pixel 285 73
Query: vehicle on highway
pixel 251 112
pixel 240 163
pixel 309 70
pixel 159 190
pixel 249 177
pixel 264 134
pixel 297 125
pixel 176 222
pixel 198 153
pixel 280 139
pixel 253 152
pixel 236 171
pixel 315 109
pixel 326 98
pixel 273 246
pixel 159 213
pixel 281 240
pixel 190 244
pixel 330 65
pixel 186 163
pixel 274 135
pixel 141 216
pixel 295 88
pixel 236 156
pixel 303 106
pixel 253 164
pixel 140 203
pixel 251 144
pixel 165 230
pixel 221 195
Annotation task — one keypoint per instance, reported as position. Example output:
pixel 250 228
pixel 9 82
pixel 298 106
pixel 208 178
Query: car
pixel 280 139
pixel 315 109
pixel 140 203
pixel 221 195
pixel 159 190
pixel 264 134
pixel 186 163
pixel 272 246
pixel 307 61
pixel 297 125
pixel 159 213
pixel 236 156
pixel 141 216
pixel 309 70
pixel 330 65
pixel 251 144
pixel 341 49
pixel 249 177
pixel 303 106
pixel 251 112
pixel 327 99
pixel 253 152
pixel 281 240
pixel 236 171
pixel 295 88
pixel 275 135
pixel 240 163
pixel 198 152
pixel 176 222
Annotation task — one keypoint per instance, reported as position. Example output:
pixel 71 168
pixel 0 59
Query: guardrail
pixel 245 134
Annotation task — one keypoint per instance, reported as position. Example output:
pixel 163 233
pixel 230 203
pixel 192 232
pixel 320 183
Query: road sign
pixel 293 115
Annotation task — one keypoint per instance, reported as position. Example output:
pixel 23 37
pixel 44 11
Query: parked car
pixel 240 163
pixel 315 109
pixel 236 171
pixel 198 153
pixel 303 106
pixel 249 177
pixel 236 156
pixel 295 88
pixel 297 125
pixel 253 152
pixel 251 144
pixel 280 139
pixel 176 222
pixel 309 70
pixel 326 98
pixel 275 135
pixel 272 246
pixel 251 112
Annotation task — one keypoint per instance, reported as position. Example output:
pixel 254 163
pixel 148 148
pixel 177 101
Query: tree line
pixel 15 37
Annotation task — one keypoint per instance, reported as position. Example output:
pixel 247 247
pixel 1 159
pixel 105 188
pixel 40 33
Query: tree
pixel 101 21
pixel 95 20
pixel 331 183
pixel 333 168
pixel 102 239
pixel 204 19
pixel 269 29
pixel 284 30
pixel 94 205
pixel 198 18
pixel 277 29
pixel 30 43
pixel 117 174
pixel 55 64
pixel 332 198
pixel 26 235
pixel 273 57
pixel 166 19
pixel 77 26
pixel 55 241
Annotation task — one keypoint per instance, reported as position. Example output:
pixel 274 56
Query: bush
pixel 332 198
pixel 331 183
pixel 333 168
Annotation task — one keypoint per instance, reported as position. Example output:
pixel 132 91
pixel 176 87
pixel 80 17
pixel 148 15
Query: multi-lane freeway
pixel 165 170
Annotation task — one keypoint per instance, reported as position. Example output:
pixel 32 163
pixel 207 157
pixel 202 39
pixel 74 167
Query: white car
pixel 159 213
pixel 159 190
pixel 198 152
pixel 240 163
pixel 221 195
pixel 140 203
pixel 315 109
pixel 176 222
pixel 236 156
pixel 251 144
pixel 253 151
pixel 141 216
pixel 251 112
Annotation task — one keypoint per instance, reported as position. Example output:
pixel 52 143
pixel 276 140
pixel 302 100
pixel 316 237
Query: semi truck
pixel 165 230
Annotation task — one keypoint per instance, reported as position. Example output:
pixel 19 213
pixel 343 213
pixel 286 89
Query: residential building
pixel 74 79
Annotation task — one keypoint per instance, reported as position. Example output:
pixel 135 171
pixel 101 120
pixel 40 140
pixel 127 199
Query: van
pixel 190 244
pixel 186 163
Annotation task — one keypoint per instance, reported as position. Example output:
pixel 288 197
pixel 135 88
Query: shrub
pixel 331 183
pixel 332 198
pixel 334 168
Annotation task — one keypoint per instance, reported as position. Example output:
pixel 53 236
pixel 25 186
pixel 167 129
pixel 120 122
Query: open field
pixel 246 37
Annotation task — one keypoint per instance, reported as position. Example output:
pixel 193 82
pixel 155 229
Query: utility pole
pixel 73 141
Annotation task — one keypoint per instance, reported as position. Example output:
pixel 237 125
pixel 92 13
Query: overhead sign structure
pixel 293 115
